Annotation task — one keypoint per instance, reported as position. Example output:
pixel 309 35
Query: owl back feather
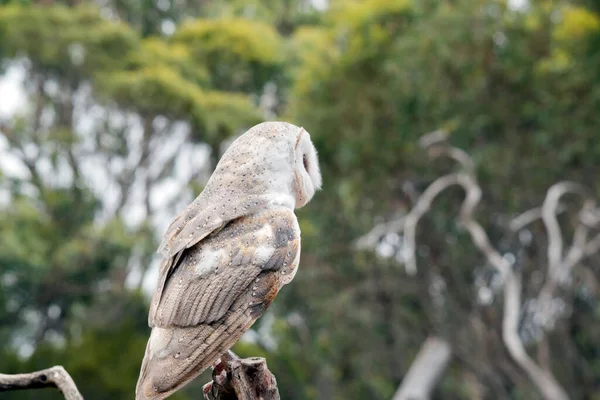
pixel 218 290
pixel 242 184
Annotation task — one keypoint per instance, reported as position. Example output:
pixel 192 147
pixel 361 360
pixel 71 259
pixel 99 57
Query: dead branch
pixel 543 379
pixel 530 216
pixel 412 219
pixel 241 379
pixel 560 265
pixel 370 240
pixel 56 377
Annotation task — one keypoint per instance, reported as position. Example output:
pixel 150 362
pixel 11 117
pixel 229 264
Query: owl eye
pixel 305 162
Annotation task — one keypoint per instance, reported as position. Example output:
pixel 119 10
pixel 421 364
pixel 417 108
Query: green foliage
pixel 60 40
pixel 284 15
pixel 312 50
pixel 55 253
pixel 241 55
pixel 156 52
pixel 176 79
pixel 159 90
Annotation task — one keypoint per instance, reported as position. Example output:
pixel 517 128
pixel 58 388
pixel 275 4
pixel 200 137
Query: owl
pixel 227 255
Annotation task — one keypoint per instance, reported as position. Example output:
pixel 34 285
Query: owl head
pixel 277 159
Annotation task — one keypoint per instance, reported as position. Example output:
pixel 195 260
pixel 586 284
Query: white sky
pixel 12 97
pixel 518 4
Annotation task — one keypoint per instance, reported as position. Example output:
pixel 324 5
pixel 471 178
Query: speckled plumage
pixel 227 255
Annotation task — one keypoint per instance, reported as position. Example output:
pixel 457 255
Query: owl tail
pixel 175 355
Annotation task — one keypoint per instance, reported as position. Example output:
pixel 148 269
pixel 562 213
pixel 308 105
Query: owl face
pixel 273 162
pixel 307 175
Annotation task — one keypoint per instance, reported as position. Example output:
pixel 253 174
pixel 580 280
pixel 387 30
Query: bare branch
pixel 369 240
pixel 544 380
pixel 555 238
pixel 412 219
pixel 472 197
pixel 56 377
pixel 559 265
pixel 478 234
pixel 433 138
pixel 457 155
pixel 530 216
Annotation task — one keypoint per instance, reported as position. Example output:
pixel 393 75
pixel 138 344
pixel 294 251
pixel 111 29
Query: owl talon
pixel 206 389
pixel 221 377
pixel 218 368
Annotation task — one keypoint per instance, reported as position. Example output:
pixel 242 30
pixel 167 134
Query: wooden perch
pixel 241 379
pixel 56 377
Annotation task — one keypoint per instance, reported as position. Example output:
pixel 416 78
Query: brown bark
pixel 241 379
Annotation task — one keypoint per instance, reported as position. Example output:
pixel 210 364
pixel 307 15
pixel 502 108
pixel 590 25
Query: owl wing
pixel 216 292
pixel 192 226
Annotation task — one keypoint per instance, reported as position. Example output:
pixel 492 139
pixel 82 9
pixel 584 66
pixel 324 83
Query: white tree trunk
pixel 426 370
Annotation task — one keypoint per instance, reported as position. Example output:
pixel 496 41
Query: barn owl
pixel 227 255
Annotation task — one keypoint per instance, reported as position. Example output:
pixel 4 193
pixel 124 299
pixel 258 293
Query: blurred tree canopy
pixel 129 105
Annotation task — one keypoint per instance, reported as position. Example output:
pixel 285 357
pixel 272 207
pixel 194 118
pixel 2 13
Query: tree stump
pixel 235 378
